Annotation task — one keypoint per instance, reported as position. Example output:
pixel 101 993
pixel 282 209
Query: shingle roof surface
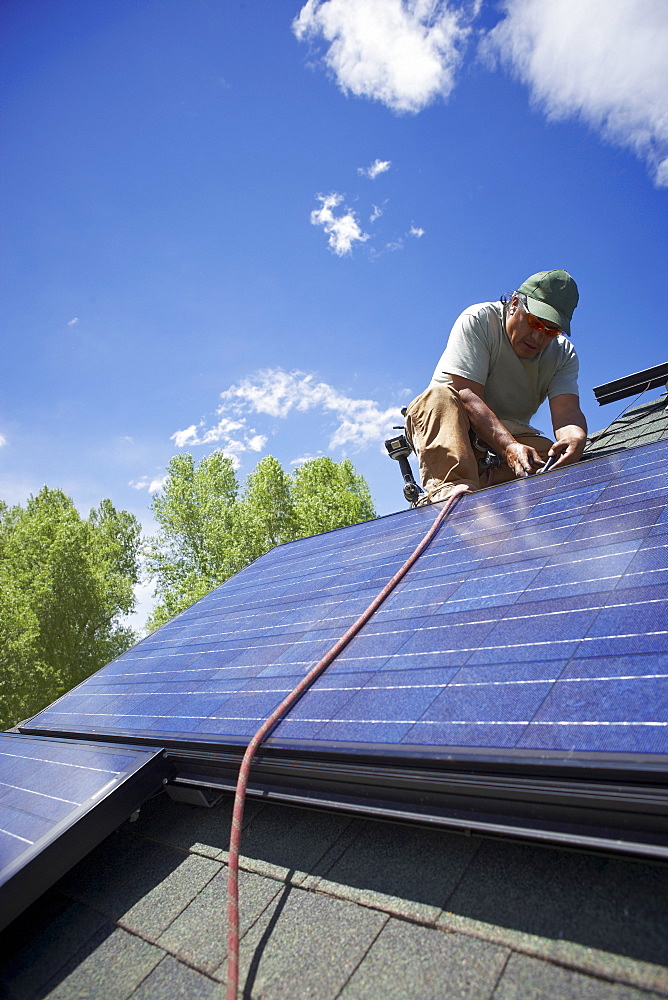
pixel 339 907
pixel 642 424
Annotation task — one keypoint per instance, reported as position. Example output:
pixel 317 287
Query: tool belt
pixel 488 460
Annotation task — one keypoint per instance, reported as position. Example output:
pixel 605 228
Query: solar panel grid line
pixel 547 559
pixel 289 609
pixel 629 481
pixel 15 836
pixel 560 483
pixel 289 602
pixel 453 684
pixel 575 516
pixel 559 611
pixel 485 722
pixel 4 785
pixel 210 719
pixel 557 679
pixel 219 641
pixel 630 491
pixel 587 579
pixel 309 607
pixel 6 756
pixel 136 656
pixel 546 506
pixel 594 543
pixel 559 535
pixel 438 629
pixel 21 795
pixel 507 618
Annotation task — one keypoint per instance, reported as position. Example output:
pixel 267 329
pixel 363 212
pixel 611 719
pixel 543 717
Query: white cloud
pixel 223 433
pixel 146 483
pixel 354 423
pixel 73 321
pixel 403 53
pixel 360 422
pixel 661 177
pixel 604 62
pixel 377 167
pixel 188 436
pixel 416 231
pixel 257 442
pixel 304 458
pixel 3 440
pixel 376 214
pixel 343 230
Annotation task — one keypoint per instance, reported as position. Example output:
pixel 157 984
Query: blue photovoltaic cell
pixel 226 662
pixel 535 620
pixel 47 785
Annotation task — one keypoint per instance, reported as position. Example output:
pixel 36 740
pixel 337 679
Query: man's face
pixel 525 341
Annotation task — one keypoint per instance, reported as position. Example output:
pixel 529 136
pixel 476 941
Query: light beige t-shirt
pixel 478 348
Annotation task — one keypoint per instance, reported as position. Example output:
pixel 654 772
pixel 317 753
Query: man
pixel 502 360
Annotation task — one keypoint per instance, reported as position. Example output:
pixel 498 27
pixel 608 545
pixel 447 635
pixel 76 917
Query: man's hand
pixel 569 446
pixel 570 429
pixel 524 461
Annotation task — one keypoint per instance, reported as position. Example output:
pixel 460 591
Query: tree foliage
pixel 329 496
pixel 64 581
pixel 197 543
pixel 210 529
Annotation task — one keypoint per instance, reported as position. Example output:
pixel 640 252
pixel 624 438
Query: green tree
pixel 267 510
pixel 209 531
pixel 329 496
pixel 197 546
pixel 65 581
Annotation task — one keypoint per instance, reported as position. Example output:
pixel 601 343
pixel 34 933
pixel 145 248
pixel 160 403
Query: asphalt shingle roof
pixel 640 425
pixel 334 906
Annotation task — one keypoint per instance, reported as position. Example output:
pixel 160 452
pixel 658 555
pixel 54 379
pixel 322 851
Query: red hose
pixel 287 703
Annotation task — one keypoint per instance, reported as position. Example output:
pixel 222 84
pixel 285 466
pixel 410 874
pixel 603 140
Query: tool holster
pixel 488 460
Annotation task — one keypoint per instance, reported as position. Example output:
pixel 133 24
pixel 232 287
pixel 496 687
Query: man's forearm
pixel 522 459
pixel 485 423
pixel 570 429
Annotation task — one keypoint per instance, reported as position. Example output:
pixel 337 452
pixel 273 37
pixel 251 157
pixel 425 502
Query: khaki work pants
pixel 438 426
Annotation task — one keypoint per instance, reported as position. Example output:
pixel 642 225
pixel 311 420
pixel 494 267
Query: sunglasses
pixel 537 324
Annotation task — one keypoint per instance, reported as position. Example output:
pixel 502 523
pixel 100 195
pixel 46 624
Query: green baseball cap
pixel 552 295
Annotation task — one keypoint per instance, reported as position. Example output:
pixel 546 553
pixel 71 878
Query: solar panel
pixel 58 799
pixel 533 629
pixel 535 620
pixel 220 667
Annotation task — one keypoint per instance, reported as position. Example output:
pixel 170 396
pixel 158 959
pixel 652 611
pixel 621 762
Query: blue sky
pixel 197 254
